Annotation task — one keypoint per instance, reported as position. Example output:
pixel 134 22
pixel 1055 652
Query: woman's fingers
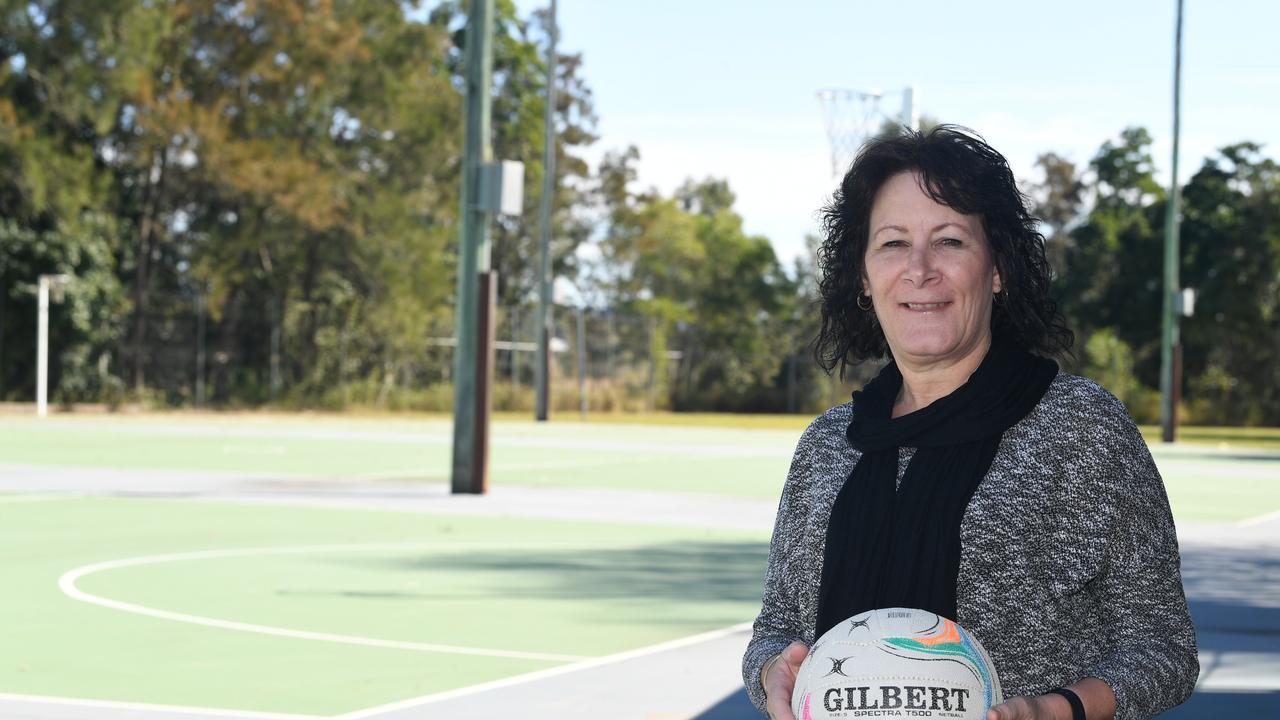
pixel 1016 708
pixel 779 710
pixel 780 680
pixel 795 654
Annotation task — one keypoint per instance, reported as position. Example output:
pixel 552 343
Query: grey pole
pixel 582 365
pixel 1169 339
pixel 911 108
pixel 542 375
pixel 515 341
pixel 473 255
pixel 200 348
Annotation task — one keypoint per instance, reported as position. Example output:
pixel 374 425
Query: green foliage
pixel 1112 260
pixel 295 164
pixel 1112 289
pixel 711 290
pixel 518 112
pixel 1231 255
pixel 293 168
pixel 1109 362
pixel 1057 200
pixel 83 328
pixel 893 127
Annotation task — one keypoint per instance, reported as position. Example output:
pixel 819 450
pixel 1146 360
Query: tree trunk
pixel 305 363
pixel 143 271
pixel 226 355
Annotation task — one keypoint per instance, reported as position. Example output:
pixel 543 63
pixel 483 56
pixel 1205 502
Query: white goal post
pixel 55 284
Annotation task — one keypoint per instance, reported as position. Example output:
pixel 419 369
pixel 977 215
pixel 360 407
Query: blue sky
pixel 727 88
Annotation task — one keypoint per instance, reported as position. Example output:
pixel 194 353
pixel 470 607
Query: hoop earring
pixel 862 307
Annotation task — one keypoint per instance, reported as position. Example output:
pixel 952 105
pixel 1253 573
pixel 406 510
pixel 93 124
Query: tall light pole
pixel 487 188
pixel 1170 342
pixel 473 253
pixel 542 373
pixel 56 283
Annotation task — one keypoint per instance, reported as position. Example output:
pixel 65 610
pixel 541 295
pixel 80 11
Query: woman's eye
pixel 894 243
pixel 952 242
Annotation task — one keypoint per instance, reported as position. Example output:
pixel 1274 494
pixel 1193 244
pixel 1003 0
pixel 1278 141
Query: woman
pixel 970 478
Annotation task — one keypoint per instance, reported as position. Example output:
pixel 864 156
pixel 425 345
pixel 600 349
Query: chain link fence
pixel 600 361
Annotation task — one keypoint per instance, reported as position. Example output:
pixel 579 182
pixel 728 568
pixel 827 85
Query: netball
pixel 896 662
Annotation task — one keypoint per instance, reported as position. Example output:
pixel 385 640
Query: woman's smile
pixel 925 307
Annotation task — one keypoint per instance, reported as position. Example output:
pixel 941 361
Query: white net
pixel 853 116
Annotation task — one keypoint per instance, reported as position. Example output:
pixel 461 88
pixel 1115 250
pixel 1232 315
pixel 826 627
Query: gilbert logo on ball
pixel 896 663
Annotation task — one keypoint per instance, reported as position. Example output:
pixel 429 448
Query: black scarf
pixel 891 546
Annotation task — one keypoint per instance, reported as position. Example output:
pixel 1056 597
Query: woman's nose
pixel 920 266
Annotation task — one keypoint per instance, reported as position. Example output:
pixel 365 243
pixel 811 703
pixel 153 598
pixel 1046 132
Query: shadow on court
pixel 1234 595
pixel 734 707
pixel 666 572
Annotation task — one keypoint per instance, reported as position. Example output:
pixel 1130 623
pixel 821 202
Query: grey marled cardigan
pixel 1068 565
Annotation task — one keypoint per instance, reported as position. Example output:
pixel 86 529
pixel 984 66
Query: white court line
pixel 553 464
pixel 253 450
pixel 1259 519
pixel 542 674
pixel 67 583
pixel 148 707
pixel 11 499
pixel 415 473
pixel 709 449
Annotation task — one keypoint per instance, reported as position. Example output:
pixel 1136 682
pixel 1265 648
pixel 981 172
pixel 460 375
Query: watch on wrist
pixel 1077 706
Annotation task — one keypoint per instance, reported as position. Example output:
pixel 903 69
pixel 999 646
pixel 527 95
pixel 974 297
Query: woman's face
pixel 930 274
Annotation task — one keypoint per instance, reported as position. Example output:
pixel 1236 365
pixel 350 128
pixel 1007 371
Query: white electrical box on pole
pixel 502 187
pixel 1186 305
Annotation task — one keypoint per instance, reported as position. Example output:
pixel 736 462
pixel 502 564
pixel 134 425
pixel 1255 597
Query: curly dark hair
pixel 960 170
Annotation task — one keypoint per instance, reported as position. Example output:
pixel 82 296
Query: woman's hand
pixel 1040 707
pixel 1096 695
pixel 779 678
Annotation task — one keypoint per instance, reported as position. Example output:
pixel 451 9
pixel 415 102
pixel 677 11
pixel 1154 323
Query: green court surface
pixel 1205 483
pixel 740 463
pixel 114 593
pixel 205 593
pixel 1219 486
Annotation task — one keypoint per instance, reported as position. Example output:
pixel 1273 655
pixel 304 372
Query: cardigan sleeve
pixel 779 622
pixel 1152 664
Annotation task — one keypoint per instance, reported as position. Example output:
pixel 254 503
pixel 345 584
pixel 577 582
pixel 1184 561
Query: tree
pixel 326 173
pixel 893 127
pixel 706 198
pixel 1231 256
pixel 1113 276
pixel 518 112
pixel 1057 200
pixel 712 291
pixel 294 162
pixel 63 70
pixel 1113 288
